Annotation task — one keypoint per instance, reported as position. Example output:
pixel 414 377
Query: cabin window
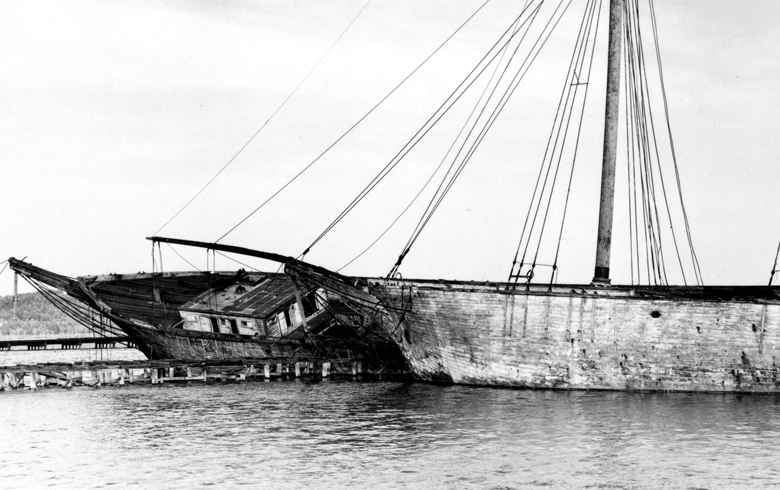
pixel 214 325
pixel 320 296
pixel 244 324
pixel 309 304
pixel 271 325
pixel 295 314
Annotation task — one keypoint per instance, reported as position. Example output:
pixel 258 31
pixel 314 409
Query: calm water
pixel 383 435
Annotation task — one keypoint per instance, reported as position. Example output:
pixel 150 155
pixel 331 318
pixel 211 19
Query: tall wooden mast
pixel 604 244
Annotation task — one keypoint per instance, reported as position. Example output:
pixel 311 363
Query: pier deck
pixel 118 373
pixel 67 343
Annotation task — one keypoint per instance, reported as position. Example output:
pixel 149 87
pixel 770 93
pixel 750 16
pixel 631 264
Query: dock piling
pixel 100 373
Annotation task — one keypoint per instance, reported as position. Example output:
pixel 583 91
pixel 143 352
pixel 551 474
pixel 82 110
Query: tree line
pixel 35 315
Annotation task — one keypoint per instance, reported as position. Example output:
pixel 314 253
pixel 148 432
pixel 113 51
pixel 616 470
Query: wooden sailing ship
pixel 525 333
pixel 599 336
pixel 196 316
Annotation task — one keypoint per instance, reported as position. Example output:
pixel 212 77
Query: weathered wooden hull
pixel 707 340
pixel 131 303
pixel 200 346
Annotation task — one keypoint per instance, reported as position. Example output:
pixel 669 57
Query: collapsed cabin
pixel 264 305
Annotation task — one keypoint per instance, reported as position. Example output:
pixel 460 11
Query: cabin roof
pixel 260 296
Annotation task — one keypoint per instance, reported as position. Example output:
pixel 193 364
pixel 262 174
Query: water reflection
pixel 383 435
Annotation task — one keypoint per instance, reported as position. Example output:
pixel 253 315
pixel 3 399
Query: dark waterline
pixel 383 435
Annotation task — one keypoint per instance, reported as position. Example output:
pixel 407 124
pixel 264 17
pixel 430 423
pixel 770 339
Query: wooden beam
pixel 281 259
pixel 63 283
pixel 16 293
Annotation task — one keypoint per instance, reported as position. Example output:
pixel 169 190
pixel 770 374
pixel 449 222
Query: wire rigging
pixel 266 122
pixel 576 144
pixel 640 103
pixel 435 171
pixel 82 314
pixel 238 262
pixel 512 86
pixel 581 59
pixel 649 210
pixel 774 267
pixel 647 183
pixel 694 259
pixel 307 167
pixel 555 146
pixel 649 205
pixel 182 258
pixel 443 109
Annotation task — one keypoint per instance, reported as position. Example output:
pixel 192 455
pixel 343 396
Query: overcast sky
pixel 114 114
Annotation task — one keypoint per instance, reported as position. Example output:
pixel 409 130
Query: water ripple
pixel 383 435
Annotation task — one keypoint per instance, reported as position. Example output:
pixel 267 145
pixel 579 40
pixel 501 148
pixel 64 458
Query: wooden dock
pixel 118 373
pixel 67 343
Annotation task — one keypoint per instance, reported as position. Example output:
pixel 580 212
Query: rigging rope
pixel 644 157
pixel 561 111
pixel 642 153
pixel 266 122
pixel 635 104
pixel 579 132
pixel 580 61
pixel 307 167
pixel 182 258
pixel 642 110
pixel 694 259
pixel 238 262
pixel 436 170
pixel 82 314
pixel 774 267
pixel 633 231
pixel 449 102
pixel 523 69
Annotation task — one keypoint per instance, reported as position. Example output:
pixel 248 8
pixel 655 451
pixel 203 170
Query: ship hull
pixel 581 338
pixel 200 346
pixel 132 304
